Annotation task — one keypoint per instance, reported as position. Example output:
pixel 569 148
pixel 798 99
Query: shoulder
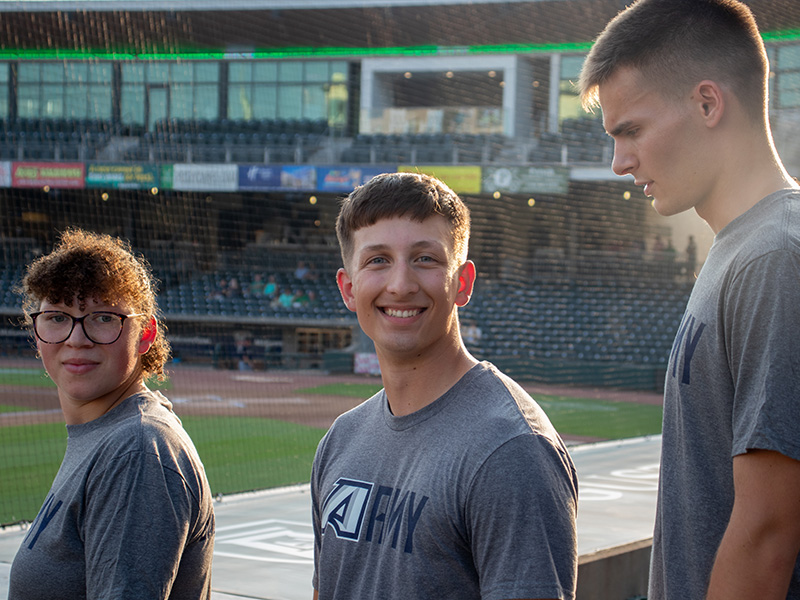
pixel 358 419
pixel 504 398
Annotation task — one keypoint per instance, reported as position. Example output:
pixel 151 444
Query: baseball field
pixel 257 429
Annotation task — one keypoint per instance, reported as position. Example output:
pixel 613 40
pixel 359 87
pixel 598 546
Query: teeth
pixel 403 314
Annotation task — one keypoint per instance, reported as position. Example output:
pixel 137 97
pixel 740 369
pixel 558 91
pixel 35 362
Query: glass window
pixel 789 90
pixel 76 73
pixel 99 106
pixel 132 73
pixel 3 90
pixel 207 102
pixel 339 71
pixel 571 66
pixel 52 101
pixel 28 101
pixel 317 71
pixel 290 102
pixel 239 102
pixel 181 102
pixel 206 72
pixel 77 102
pixel 52 73
pixel 100 73
pixel 157 72
pixel 132 105
pixel 265 71
pixel 314 102
pixel 182 72
pixel 290 71
pixel 788 57
pixel 238 71
pixel 265 104
pixel 28 72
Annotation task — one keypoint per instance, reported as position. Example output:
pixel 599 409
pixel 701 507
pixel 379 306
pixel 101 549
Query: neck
pixel 749 170
pixel 78 413
pixel 412 385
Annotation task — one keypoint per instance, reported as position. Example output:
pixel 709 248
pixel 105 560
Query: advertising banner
pixel 344 179
pixel 5 173
pixel 300 177
pixel 122 176
pixel 259 177
pixel 527 180
pixel 462 180
pixel 205 178
pixel 54 175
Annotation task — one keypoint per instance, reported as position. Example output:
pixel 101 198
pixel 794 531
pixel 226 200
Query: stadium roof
pixel 194 28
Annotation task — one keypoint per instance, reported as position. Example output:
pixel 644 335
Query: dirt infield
pixel 272 394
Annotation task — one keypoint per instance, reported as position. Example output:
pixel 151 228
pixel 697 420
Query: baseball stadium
pixel 219 138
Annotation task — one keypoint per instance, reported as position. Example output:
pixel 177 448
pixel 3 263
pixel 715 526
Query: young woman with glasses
pixel 129 514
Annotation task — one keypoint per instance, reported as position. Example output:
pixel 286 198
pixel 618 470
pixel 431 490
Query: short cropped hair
pixel 675 44
pixel 413 195
pixel 89 266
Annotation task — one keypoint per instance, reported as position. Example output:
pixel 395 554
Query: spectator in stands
pixel 304 272
pixel 129 514
pixel 300 298
pixel 683 89
pixel 451 480
pixel 271 287
pixel 256 287
pixel 221 292
pixel 234 288
pixel 285 299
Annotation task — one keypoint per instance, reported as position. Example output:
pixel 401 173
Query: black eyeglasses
pixel 101 327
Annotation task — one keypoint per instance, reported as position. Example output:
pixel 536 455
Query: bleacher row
pixel 292 141
pixel 626 322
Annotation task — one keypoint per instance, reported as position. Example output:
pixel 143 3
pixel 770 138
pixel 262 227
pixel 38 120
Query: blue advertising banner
pixel 259 177
pixel 344 179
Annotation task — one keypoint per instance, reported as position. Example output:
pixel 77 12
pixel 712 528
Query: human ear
pixel 466 283
pixel 148 335
pixel 710 100
pixel 346 289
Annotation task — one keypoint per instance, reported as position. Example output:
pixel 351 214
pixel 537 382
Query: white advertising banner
pixel 205 178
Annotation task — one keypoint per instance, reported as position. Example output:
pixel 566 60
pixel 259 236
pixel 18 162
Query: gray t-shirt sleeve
pixel 521 514
pixel 136 526
pixel 762 322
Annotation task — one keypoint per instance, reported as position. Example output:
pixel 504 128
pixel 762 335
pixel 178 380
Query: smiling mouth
pixel 402 314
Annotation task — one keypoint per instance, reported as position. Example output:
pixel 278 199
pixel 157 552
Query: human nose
pixel 624 161
pixel 78 337
pixel 402 280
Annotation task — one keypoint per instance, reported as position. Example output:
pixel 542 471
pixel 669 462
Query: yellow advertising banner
pixel 462 180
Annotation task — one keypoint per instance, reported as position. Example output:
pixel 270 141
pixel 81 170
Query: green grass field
pixel 248 453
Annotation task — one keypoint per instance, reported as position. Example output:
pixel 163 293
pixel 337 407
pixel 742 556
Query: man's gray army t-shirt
pixel 473 496
pixel 732 385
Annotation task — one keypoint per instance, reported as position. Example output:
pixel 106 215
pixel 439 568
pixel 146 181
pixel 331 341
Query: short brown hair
pixel 414 195
pixel 86 265
pixel 675 44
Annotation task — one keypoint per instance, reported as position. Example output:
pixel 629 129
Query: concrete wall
pixel 619 573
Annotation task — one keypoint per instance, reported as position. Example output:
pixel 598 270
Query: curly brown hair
pixel 85 265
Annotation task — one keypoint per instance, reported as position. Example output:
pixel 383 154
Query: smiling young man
pixel 450 482
pixel 683 89
pixel 129 514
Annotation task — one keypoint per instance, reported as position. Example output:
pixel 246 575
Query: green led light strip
pixel 306 52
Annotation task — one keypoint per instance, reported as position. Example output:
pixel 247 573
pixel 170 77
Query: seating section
pixel 614 321
pixel 273 141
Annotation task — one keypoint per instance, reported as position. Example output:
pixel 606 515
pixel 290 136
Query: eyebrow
pixel 620 128
pixel 414 246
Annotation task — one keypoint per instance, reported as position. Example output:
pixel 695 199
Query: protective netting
pixel 219 142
